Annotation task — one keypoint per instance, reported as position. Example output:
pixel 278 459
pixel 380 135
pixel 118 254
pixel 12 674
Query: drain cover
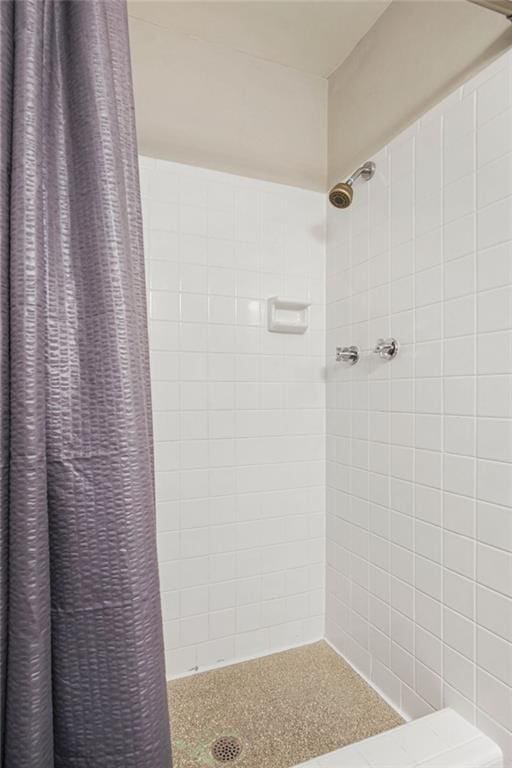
pixel 226 749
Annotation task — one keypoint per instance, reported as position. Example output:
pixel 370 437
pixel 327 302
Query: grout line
pixel 475 417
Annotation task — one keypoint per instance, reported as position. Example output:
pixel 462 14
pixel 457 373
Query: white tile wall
pixel 419 450
pixel 239 413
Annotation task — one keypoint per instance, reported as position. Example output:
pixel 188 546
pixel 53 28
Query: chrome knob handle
pixel 347 354
pixel 387 349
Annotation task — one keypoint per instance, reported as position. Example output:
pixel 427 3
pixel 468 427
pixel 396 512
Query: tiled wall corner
pixel 239 413
pixel 419 450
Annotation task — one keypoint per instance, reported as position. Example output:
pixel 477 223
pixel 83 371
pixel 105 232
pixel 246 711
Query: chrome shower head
pixel 341 195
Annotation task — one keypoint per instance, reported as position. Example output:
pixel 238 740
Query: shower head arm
pixel 365 171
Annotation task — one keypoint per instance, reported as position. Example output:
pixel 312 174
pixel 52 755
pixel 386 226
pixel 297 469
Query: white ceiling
pixel 314 37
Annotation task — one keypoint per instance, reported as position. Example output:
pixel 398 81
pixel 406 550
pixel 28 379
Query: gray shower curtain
pixel 81 666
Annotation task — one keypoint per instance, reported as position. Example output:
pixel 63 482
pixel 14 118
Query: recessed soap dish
pixel 287 315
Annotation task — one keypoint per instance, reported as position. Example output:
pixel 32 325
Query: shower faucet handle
pixel 387 349
pixel 347 354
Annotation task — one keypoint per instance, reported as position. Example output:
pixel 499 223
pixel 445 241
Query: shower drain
pixel 226 749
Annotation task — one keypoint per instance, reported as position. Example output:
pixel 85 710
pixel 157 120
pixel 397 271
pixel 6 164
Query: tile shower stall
pixel 299 497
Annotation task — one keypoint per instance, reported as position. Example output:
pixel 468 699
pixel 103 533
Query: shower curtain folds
pixel 81 657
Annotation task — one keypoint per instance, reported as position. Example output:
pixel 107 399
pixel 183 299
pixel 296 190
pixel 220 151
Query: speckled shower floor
pixel 283 709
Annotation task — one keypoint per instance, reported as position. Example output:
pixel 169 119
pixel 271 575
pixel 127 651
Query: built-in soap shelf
pixel 287 315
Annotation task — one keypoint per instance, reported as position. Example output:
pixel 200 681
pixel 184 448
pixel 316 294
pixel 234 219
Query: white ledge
pixel 443 739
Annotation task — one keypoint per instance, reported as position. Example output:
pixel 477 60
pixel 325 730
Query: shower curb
pixel 442 739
